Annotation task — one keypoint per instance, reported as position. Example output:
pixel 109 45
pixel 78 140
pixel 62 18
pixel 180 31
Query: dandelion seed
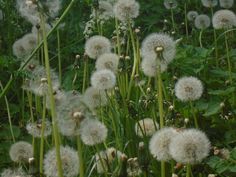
pixel 126 10
pixel 226 3
pixel 190 146
pixel 188 89
pixel 159 46
pixel 104 11
pixel 69 159
pixel 202 22
pixel 35 128
pixel 59 96
pixel 103 79
pixel 108 61
pixel 170 4
pixel 94 98
pixel 96 46
pixel 71 112
pixel 209 3
pixel 133 168
pixel 146 127
pixel 19 172
pixel 92 132
pixel 224 19
pixel 21 152
pixel 192 15
pixel 105 159
pixel 159 143
pixel 150 66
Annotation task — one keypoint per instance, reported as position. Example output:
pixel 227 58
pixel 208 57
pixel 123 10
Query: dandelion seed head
pixel 108 61
pixel 202 22
pixel 191 15
pixel 190 146
pixel 19 172
pixel 159 143
pixel 92 132
pixel 69 159
pixel 146 127
pixel 224 19
pixel 59 96
pixel 209 3
pixel 126 10
pixel 226 3
pixel 170 4
pixel 133 168
pixel 104 10
pixel 103 79
pixel 150 66
pixel 159 42
pixel 188 89
pixel 21 151
pixel 71 112
pixel 94 98
pixel 35 128
pixel 96 46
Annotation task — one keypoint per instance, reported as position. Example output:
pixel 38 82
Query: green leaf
pixel 5 132
pixel 212 109
pixel 222 92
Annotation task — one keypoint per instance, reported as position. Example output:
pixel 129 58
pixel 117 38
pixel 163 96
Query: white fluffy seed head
pixel 159 143
pixel 69 159
pixel 150 66
pixel 19 172
pixel 108 61
pixel 156 41
pixel 35 128
pixel 92 132
pixel 59 96
pixel 146 127
pixel 71 112
pixel 96 46
pixel 170 4
pixel 226 3
pixel 126 10
pixel 105 159
pixel 103 79
pixel 188 89
pixel 21 151
pixel 104 10
pixel 202 22
pixel 38 83
pixel 224 19
pixel 191 15
pixel 94 98
pixel 24 46
pixel 190 146
pixel 209 3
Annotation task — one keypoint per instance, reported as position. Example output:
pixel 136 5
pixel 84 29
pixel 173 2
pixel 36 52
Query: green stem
pixel 188 172
pixel 85 74
pixel 59 55
pixel 160 98
pixel 215 41
pixel 172 19
pixel 52 102
pixel 118 38
pixel 228 59
pixel 194 115
pixel 80 155
pixel 200 38
pixel 186 20
pixel 9 83
pixel 42 137
pixel 163 169
pixel 8 115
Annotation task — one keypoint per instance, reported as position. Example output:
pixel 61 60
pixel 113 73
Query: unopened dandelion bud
pixel 77 56
pixel 186 120
pixel 222 104
pixel 211 175
pixel 148 90
pixel 171 107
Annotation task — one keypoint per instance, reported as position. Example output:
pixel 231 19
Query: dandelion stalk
pixel 8 115
pixel 80 155
pixel 52 102
pixel 59 55
pixel 11 79
pixel 118 38
pixel 194 115
pixel 42 137
pixel 172 18
pixel 200 38
pixel 186 20
pixel 228 59
pixel 215 41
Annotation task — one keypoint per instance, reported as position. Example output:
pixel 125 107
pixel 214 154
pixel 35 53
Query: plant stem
pixel 42 137
pixel 186 20
pixel 215 41
pixel 194 115
pixel 118 38
pixel 80 155
pixel 228 59
pixel 52 102
pixel 200 38
pixel 188 172
pixel 160 98
pixel 59 55
pixel 172 19
pixel 163 169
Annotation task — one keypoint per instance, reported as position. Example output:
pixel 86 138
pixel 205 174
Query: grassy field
pixel 117 88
